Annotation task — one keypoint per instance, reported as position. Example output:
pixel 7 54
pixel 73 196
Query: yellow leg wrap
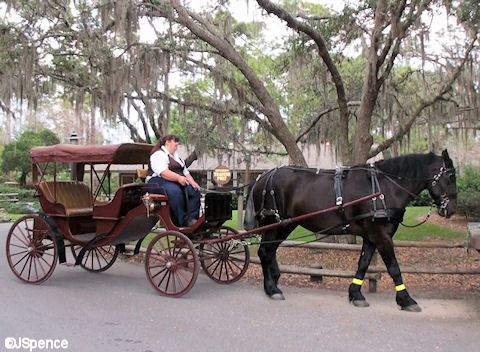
pixel 356 281
pixel 400 287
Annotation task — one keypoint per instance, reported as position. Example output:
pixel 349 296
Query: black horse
pixel 286 192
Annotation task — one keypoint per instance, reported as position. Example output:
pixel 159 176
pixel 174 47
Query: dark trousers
pixel 176 197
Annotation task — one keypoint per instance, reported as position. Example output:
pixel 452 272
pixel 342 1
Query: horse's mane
pixel 407 166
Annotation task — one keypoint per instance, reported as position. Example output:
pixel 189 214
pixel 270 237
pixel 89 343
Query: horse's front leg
pixel 354 291
pixel 388 255
pixel 271 273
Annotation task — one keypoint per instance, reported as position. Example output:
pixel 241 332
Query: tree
pixel 390 23
pixel 95 54
pixel 16 154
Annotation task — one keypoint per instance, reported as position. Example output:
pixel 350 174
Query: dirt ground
pixel 419 285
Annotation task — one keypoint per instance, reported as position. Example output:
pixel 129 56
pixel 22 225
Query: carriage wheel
pixel 97 259
pixel 31 249
pixel 224 262
pixel 171 263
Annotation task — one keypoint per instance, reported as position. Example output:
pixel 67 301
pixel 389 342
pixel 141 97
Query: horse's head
pixel 443 185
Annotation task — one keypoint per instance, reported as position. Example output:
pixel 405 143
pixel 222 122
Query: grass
pixel 425 231
pixel 14 217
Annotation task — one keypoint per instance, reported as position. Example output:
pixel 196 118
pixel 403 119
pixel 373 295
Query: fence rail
pixel 8 197
pixel 374 272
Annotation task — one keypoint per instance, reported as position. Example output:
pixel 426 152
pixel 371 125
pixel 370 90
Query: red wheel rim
pixel 224 262
pixel 171 264
pixel 97 259
pixel 31 249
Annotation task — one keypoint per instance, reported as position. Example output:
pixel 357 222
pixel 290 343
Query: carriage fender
pixel 58 237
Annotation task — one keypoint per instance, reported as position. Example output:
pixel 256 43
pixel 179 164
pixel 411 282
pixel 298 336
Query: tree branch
pixel 444 90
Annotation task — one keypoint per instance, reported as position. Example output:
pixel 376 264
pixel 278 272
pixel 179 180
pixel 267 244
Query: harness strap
pixel 338 186
pixel 269 184
pixel 378 213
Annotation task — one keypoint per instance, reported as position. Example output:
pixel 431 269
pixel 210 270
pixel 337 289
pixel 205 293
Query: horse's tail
pixel 250 220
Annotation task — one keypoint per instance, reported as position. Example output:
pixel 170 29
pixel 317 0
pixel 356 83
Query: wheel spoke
pixel 224 261
pixel 171 263
pixel 161 271
pixel 21 240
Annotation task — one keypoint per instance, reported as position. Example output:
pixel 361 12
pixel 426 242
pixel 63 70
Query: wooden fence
pixel 8 197
pixel 374 272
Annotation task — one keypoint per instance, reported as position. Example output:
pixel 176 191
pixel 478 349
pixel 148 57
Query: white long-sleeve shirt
pixel 159 162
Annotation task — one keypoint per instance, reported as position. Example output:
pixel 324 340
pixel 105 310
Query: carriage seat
pixel 75 197
pixel 126 198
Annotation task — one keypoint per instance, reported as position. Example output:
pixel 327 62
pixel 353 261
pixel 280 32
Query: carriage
pixel 95 224
pixel 365 200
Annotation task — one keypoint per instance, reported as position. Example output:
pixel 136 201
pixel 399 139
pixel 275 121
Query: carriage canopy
pixel 125 153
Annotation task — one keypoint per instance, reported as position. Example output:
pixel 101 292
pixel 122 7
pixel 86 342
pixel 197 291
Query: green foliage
pixel 16 155
pixel 20 207
pixel 24 194
pixel 468 204
pixel 469 181
pixel 423 199
pixel 468 188
pixel 468 12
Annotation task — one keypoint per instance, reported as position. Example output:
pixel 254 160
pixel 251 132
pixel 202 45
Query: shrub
pixel 469 181
pixel 422 200
pixel 468 204
pixel 20 207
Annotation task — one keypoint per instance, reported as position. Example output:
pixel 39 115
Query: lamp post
pixel 73 139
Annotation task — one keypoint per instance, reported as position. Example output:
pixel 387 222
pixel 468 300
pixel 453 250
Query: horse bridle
pixel 443 200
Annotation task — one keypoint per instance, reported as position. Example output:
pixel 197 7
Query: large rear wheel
pixel 171 263
pixel 31 249
pixel 97 259
pixel 224 262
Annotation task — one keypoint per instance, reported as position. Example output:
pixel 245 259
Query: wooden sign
pixel 221 175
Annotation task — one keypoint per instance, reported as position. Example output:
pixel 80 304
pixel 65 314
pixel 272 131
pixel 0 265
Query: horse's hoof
pixel 361 303
pixel 277 297
pixel 412 308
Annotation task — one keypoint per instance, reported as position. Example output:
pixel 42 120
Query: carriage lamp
pixel 148 203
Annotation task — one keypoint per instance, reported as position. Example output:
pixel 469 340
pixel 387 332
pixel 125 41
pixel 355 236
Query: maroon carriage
pixel 74 216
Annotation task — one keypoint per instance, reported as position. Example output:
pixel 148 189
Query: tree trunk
pixel 227 51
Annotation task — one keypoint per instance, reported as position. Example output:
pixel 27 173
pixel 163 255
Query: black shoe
pixel 189 222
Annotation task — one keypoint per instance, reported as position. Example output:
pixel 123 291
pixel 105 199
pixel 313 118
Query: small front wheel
pixel 227 261
pixel 31 249
pixel 171 263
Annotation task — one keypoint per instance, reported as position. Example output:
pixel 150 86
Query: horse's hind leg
pixel 403 298
pixel 354 291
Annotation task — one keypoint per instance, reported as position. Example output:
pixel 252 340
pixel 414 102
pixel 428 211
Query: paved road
pixel 118 310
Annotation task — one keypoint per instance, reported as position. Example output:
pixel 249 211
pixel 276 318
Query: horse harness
pixel 380 214
pixel 377 214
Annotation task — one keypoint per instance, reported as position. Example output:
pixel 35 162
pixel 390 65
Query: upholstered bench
pixel 75 197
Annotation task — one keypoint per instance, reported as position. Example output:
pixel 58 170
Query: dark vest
pixel 173 165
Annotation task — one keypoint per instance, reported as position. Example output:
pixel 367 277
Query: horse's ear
pixel 446 158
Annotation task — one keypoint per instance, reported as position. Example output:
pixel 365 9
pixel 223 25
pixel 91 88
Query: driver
pixel 168 174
